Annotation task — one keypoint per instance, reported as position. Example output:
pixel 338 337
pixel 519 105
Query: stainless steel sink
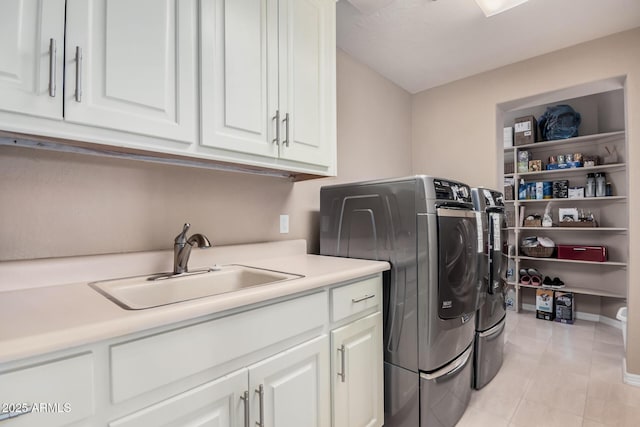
pixel 141 292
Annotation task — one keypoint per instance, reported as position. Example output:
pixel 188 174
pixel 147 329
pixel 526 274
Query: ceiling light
pixel 493 7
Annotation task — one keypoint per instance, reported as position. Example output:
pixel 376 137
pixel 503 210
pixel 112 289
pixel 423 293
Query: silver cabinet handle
pixel 362 298
pixel 276 118
pixel 341 374
pixel 286 131
pixel 260 391
pixel 18 412
pixel 53 51
pixel 78 74
pixel 245 401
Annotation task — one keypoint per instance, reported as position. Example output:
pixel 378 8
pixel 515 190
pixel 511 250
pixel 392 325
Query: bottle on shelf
pixel 590 189
pixel 522 190
pixel 601 185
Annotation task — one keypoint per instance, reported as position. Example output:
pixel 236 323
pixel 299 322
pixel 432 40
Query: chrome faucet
pixel 182 248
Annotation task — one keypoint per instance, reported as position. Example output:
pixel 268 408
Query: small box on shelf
pixel 508 137
pixel 535 165
pixel 582 253
pixel 508 192
pixel 523 161
pixel 561 189
pixel 525 130
pixel 576 193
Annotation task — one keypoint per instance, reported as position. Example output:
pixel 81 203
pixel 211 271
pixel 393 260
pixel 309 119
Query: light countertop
pixel 37 319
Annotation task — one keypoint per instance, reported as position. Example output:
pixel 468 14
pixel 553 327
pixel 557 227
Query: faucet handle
pixel 181 239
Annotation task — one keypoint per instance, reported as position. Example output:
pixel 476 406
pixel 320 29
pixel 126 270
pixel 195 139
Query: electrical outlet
pixel 284 224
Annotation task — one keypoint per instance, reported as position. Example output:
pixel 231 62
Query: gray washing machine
pixel 491 316
pixel 427 229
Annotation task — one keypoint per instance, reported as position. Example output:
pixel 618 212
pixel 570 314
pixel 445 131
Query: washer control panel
pixel 451 190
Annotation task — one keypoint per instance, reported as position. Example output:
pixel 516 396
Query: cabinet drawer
pixel 356 297
pixel 148 363
pixel 58 393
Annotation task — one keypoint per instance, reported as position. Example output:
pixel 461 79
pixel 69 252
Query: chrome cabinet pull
pixel 286 131
pixel 260 391
pixel 78 74
pixel 16 413
pixel 276 118
pixel 341 374
pixel 363 298
pixel 53 51
pixel 245 401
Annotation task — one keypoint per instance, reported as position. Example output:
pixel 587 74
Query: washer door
pixel 459 235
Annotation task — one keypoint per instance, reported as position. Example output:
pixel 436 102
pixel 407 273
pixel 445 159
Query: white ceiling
pixel 420 44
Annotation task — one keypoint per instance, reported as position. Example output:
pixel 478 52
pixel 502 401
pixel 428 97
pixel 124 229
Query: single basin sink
pixel 137 293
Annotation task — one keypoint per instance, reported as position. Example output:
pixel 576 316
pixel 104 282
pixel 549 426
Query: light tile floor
pixel 556 375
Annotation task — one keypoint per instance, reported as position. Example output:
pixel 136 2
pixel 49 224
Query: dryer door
pixel 458 239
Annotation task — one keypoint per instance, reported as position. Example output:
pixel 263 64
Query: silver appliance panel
pixel 489 351
pixel 401 397
pixel 377 221
pixel 445 394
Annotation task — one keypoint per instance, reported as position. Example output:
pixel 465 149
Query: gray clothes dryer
pixel 427 229
pixel 491 316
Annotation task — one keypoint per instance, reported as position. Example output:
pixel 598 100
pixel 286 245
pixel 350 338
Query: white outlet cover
pixel 284 224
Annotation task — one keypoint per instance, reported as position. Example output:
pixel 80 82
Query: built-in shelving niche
pixel 600 288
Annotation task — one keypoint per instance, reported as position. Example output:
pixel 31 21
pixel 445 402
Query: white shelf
pixel 571 261
pixel 570 141
pixel 577 290
pixel 574 171
pixel 585 229
pixel 567 200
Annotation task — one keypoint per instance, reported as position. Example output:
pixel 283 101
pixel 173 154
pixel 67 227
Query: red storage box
pixel 582 253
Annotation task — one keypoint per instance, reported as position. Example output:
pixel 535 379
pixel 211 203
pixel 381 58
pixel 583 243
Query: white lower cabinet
pixel 52 394
pixel 216 403
pixel 356 352
pixel 291 389
pixel 358 373
pixel 268 366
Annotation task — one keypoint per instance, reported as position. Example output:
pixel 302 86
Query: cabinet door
pixel 291 389
pixel 51 394
pixel 239 72
pixel 31 57
pixel 131 66
pixel 217 403
pixel 357 373
pixel 307 80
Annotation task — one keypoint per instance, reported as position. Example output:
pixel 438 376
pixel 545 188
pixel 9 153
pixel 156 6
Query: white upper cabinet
pixel 132 66
pixel 237 94
pixel 32 57
pixel 307 51
pixel 268 80
pixel 243 82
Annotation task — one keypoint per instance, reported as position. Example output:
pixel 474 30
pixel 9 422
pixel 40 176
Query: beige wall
pixel 58 204
pixel 455 125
